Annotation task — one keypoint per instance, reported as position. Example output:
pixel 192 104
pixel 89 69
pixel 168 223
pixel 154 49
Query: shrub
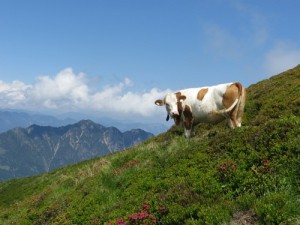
pixel 145 215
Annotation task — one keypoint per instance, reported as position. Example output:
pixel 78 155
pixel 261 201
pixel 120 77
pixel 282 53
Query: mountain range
pixel 37 149
pixel 10 119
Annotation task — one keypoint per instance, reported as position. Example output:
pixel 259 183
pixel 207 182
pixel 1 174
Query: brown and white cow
pixel 206 105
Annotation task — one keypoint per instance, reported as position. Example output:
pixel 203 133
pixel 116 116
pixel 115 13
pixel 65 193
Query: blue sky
pixel 115 57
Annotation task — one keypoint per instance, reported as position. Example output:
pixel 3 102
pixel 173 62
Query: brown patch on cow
pixel 177 117
pixel 178 94
pixel 188 117
pixel 180 97
pixel 232 93
pixel 202 93
pixel 179 107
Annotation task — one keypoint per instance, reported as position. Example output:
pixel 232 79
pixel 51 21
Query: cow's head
pixel 173 103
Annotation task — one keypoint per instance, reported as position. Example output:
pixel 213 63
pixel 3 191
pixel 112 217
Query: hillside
pixel 248 175
pixel 39 149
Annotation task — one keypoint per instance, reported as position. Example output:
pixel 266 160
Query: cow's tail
pixel 224 112
pixel 239 103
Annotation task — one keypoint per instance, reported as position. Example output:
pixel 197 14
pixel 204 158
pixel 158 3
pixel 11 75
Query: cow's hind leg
pixel 241 107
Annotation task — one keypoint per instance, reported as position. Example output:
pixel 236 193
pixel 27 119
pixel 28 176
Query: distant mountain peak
pixel 37 149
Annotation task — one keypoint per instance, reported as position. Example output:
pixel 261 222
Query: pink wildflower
pixel 146 207
pixel 142 215
pixel 162 209
pixel 133 217
pixel 121 221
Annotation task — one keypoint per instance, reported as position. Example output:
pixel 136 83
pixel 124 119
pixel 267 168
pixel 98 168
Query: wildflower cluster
pixel 227 167
pixel 264 168
pixel 143 216
pixel 131 163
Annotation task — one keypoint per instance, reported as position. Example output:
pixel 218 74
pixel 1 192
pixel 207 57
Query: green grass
pixel 220 176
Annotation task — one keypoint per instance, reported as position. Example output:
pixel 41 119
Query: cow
pixel 212 104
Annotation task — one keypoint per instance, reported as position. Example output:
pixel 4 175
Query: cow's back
pixel 205 100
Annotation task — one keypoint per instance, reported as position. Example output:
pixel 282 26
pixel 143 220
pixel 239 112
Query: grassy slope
pixel 220 176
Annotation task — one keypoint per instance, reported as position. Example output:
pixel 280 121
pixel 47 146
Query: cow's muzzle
pixel 172 115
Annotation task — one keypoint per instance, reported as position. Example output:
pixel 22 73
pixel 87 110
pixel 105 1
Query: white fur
pixel 205 110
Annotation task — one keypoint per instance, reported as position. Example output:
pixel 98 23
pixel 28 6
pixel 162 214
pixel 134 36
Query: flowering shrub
pixel 144 216
pixel 265 166
pixel 131 163
pixel 227 167
pixel 125 166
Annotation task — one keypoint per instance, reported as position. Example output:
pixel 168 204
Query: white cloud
pixel 281 57
pixel 129 102
pixel 65 90
pixel 68 91
pixel 12 94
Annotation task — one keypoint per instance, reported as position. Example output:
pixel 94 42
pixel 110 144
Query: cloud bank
pixel 70 92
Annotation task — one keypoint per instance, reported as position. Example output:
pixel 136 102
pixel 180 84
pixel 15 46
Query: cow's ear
pixel 159 102
pixel 182 98
pixel 168 117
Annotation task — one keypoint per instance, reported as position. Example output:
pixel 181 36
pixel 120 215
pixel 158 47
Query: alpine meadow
pixel 249 175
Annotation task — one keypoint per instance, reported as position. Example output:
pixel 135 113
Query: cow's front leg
pixel 187 132
pixel 188 121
